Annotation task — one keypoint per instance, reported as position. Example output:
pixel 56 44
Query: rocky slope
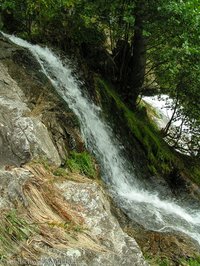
pixel 48 219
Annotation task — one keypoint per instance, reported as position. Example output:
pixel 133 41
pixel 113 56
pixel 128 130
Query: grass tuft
pixel 13 230
pixel 82 163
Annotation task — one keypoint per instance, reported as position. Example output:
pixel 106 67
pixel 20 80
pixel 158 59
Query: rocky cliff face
pixel 48 219
pixel 23 135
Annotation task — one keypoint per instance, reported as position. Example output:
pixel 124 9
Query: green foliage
pixel 13 230
pixel 53 21
pixel 69 227
pixel 162 262
pixel 44 161
pixel 194 171
pixel 191 262
pixel 157 261
pixel 82 163
pixel 158 153
pixel 175 53
pixel 60 172
pixel 161 157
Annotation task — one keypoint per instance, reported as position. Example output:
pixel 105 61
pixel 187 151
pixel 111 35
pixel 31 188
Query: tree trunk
pixel 130 59
pixel 138 58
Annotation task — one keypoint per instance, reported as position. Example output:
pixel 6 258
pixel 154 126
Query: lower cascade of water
pixel 141 205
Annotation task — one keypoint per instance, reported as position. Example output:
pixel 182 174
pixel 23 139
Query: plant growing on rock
pixel 82 163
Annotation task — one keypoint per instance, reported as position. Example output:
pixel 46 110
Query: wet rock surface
pixel 173 246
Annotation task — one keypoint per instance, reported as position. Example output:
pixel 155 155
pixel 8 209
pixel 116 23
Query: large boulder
pixel 119 248
pixel 22 136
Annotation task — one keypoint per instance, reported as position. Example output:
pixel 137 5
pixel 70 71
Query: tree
pixel 178 75
pixel 164 35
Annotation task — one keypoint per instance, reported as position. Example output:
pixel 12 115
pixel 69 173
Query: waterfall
pixel 143 206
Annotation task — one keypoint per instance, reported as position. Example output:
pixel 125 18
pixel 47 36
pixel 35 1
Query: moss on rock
pixel 159 155
pixel 151 155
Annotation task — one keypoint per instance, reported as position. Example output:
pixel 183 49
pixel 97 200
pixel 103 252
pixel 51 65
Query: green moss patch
pixel 82 163
pixel 159 154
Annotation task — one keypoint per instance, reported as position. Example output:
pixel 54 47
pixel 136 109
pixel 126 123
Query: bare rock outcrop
pixel 22 136
pixel 119 249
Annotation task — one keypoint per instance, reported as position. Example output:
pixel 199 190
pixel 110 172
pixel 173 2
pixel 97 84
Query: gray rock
pixel 11 183
pixel 117 247
pixel 101 243
pixel 22 137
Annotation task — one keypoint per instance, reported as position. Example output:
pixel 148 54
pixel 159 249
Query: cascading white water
pixel 141 205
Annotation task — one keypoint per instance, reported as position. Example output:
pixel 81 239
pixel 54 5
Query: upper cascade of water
pixel 140 204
